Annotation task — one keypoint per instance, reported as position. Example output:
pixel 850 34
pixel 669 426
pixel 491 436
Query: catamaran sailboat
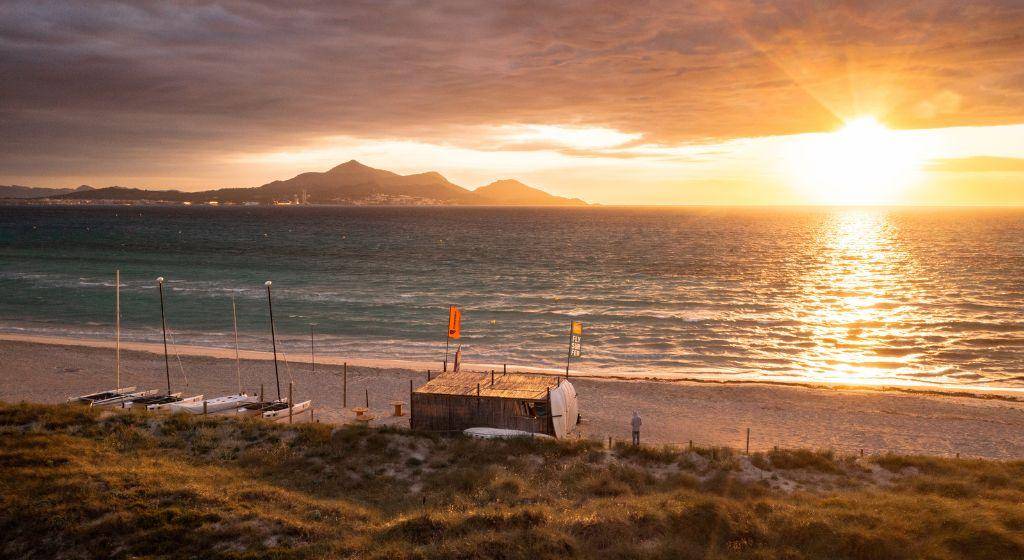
pixel 120 395
pixel 228 403
pixel 281 408
pixel 162 402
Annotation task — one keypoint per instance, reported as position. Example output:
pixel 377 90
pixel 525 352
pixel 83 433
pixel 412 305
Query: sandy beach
pixel 847 420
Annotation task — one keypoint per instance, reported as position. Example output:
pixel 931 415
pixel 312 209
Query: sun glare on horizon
pixel 863 163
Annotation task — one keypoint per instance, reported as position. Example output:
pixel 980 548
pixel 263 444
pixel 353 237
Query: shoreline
pixel 850 421
pixel 964 391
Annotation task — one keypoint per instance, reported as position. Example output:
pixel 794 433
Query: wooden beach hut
pixel 453 402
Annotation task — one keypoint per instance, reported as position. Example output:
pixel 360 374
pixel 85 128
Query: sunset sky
pixel 738 102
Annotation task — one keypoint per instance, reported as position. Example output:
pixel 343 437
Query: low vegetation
pixel 79 483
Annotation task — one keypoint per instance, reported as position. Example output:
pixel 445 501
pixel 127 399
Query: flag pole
pixel 568 356
pixel 447 337
pixel 163 326
pixel 234 326
pixel 117 329
pixel 273 339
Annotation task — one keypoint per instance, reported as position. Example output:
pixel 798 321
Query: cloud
pixel 979 164
pixel 145 88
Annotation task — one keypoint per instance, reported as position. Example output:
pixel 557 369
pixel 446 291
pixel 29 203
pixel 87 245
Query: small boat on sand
pixel 120 395
pixel 281 408
pixel 502 433
pixel 273 410
pixel 162 402
pixel 113 397
pixel 225 404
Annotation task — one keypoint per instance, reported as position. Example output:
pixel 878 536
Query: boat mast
pixel 117 328
pixel 234 323
pixel 273 339
pixel 163 325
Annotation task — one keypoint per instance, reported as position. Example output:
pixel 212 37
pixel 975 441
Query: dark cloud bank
pixel 90 87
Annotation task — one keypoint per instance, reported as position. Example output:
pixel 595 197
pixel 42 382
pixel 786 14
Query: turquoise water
pixel 860 295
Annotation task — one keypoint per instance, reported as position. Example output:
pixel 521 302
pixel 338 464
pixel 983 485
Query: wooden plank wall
pixel 450 413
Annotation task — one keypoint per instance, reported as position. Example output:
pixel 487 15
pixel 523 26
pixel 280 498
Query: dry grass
pixel 76 484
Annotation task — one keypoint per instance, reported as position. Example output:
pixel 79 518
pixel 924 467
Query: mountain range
pixel 348 183
pixel 19 191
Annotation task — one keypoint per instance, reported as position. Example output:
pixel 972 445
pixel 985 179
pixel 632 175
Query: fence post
pixel 748 441
pixel 344 385
pixel 261 392
pixel 204 407
pixel 367 398
pixel 504 368
pixel 291 403
pixel 428 375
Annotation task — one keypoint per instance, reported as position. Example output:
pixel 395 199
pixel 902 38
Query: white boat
pixel 501 433
pixel 117 399
pixel 564 409
pixel 228 403
pixel 93 398
pixel 120 395
pixel 273 410
pixel 152 399
pixel 282 414
pixel 166 406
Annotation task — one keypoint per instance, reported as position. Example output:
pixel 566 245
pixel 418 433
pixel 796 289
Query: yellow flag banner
pixel 576 339
pixel 454 322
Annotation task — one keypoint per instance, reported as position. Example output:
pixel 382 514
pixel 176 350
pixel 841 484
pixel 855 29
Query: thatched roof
pixel 506 385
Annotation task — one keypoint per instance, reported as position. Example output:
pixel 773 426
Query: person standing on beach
pixel 636 422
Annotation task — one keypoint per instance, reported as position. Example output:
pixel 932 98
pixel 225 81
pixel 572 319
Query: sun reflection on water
pixel 854 306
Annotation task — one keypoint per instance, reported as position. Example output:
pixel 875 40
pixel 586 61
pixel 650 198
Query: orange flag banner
pixel 454 322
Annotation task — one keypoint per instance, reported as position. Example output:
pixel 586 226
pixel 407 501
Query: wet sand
pixel 847 420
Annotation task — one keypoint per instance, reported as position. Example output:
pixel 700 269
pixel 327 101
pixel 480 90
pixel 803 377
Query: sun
pixel 863 163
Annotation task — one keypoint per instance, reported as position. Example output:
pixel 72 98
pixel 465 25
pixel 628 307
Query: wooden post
pixel 261 392
pixel 310 413
pixel 204 407
pixel 344 385
pixel 291 403
pixel 609 442
pixel 748 441
pixel 492 378
pixel 504 369
pixel 410 403
pixel 367 398
pixel 428 375
pixel 312 348
pixel 691 445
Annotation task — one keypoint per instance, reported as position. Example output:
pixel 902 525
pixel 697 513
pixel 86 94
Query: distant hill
pixel 18 191
pixel 512 192
pixel 348 183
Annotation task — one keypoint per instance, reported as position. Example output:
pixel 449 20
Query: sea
pixel 906 296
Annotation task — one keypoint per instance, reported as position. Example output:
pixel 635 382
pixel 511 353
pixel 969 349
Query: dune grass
pixel 80 484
